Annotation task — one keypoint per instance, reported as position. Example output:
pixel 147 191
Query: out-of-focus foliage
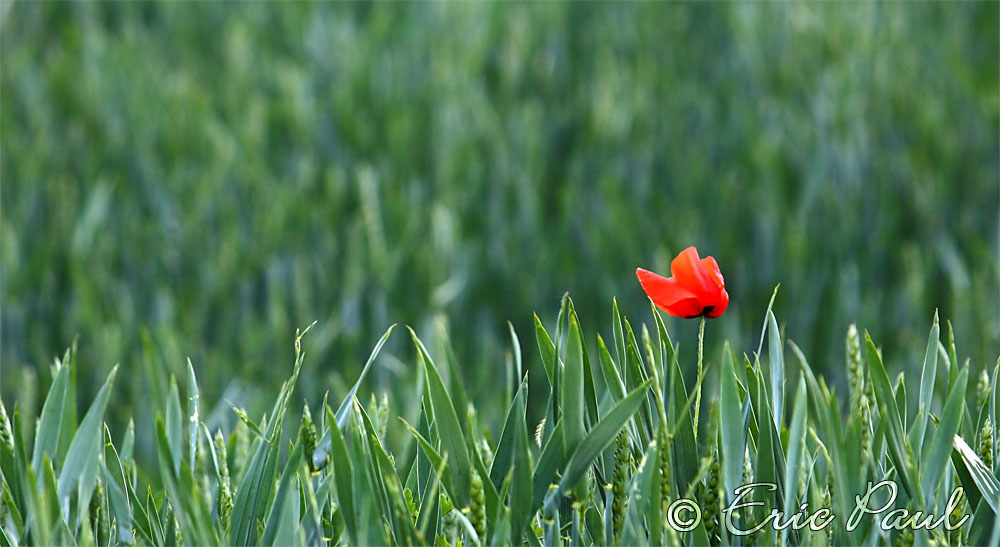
pixel 201 178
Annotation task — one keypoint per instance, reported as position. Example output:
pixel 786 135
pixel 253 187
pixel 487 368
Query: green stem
pixel 701 355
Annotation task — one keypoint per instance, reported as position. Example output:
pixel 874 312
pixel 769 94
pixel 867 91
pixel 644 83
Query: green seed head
pixel 986 443
pixel 477 509
pixel 225 498
pixel 6 437
pixel 307 434
pixel 855 373
pixel 618 485
pixel 983 388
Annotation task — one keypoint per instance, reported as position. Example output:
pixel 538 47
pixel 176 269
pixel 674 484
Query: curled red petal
pixel 689 271
pixel 663 291
pixel 713 269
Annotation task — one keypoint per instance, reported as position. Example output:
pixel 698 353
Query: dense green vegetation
pixel 631 463
pixel 199 180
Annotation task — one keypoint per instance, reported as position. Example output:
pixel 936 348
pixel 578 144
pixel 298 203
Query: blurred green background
pixel 199 179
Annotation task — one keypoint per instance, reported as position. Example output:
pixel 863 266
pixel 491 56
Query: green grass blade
pixel 114 480
pixel 609 369
pixel 547 351
pixel 934 463
pixel 431 506
pixel 276 515
pixel 252 494
pixel 257 482
pixel 985 483
pixel 193 410
pixel 619 334
pixel 550 461
pixel 323 449
pixel 521 507
pixel 343 475
pixel 289 532
pixel 685 449
pixel 437 461
pixel 81 465
pixel 504 455
pixel 927 377
pixel 899 449
pixel 572 390
pixel 175 425
pixel 601 436
pixel 952 357
pixel 765 469
pixel 447 424
pixel 776 370
pixel 516 346
pixel 50 422
pixel 187 502
pixel 796 445
pixel 767 314
pixel 589 391
pixel 732 426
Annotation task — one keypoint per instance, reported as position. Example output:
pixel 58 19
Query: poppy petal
pixel 686 308
pixel 713 269
pixel 720 308
pixel 663 291
pixel 688 269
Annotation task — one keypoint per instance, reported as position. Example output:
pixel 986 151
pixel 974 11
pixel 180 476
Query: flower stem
pixel 701 355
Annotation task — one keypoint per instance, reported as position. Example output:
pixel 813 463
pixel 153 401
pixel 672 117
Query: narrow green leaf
pixel 685 449
pixel 733 429
pixel 182 492
pixel 114 479
pixel 343 474
pixel 431 506
pixel 193 413
pixel 252 494
pixel 927 377
pixel 323 449
pixel 895 438
pixel 952 357
pixel 572 390
pixel 796 444
pixel 776 370
pixel 986 484
pixel 175 427
pixel 505 449
pixel 50 422
pixel 253 427
pixel 257 482
pixel 767 314
pixel 521 490
pixel 81 465
pixel 516 346
pixel 547 350
pixel 612 377
pixel 765 469
pixel 601 436
pixel 934 463
pixel 288 532
pixel 437 461
pixel 69 418
pixel 589 390
pixel 448 427
pixel 549 462
pixel 276 515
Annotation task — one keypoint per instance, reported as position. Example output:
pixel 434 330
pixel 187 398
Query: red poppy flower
pixel 696 288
